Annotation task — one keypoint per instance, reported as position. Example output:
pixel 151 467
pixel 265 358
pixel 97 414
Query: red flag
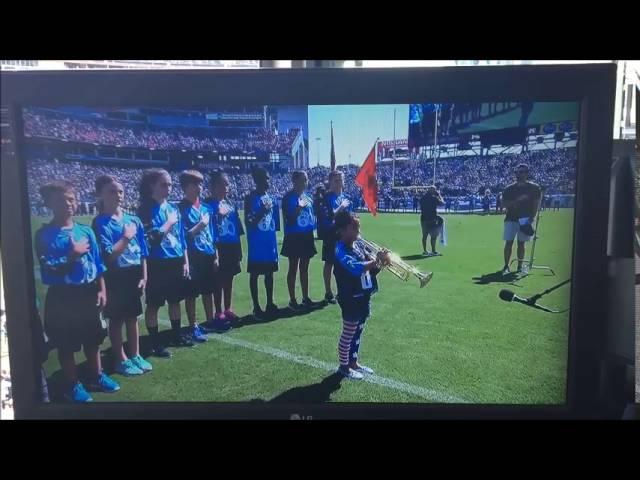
pixel 366 178
pixel 333 151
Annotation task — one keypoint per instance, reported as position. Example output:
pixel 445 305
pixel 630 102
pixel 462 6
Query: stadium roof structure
pixel 125 64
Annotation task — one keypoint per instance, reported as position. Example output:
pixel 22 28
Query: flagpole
pixel 435 143
pixel 393 170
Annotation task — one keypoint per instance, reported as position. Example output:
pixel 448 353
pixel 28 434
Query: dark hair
pixel 343 219
pixel 149 178
pixel 523 165
pixel 335 173
pixel 216 176
pixel 258 174
pixel 101 182
pixel 297 174
pixel 56 186
pixel 190 176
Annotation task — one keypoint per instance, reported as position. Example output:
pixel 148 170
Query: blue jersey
pixel 204 241
pixel 229 226
pixel 261 227
pixel 352 280
pixel 161 246
pixel 329 204
pixel 53 246
pixel 305 221
pixel 110 230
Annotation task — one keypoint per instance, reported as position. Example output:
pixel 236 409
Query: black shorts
pixel 299 245
pixel 165 282
pixel 230 256
pixel 72 318
pixel 203 275
pixel 431 226
pixel 329 250
pixel 262 268
pixel 123 294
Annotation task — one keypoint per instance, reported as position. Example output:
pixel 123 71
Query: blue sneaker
pixel 206 327
pixel 142 364
pixel 128 369
pixel 106 384
pixel 197 335
pixel 78 394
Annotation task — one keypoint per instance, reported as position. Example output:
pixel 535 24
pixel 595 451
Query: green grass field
pixel 453 341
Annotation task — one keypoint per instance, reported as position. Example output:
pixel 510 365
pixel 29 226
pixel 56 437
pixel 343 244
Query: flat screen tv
pixel 323 243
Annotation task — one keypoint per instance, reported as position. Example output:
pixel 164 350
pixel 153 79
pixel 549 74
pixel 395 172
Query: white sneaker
pixel 364 369
pixel 426 254
pixel 351 374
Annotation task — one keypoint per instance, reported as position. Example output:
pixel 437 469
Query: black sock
pixel 175 325
pixel 153 331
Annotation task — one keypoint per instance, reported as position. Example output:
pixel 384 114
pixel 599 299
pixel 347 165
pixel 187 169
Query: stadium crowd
pixel 103 132
pixel 460 179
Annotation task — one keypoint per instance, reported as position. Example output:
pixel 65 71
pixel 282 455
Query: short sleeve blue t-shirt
pixel 332 201
pixel 261 227
pixel 110 230
pixel 305 221
pixel 351 279
pixel 53 246
pixel 229 226
pixel 169 245
pixel 204 241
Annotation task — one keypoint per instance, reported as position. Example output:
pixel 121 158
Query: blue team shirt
pixel 305 221
pixel 261 234
pixel 170 245
pixel 204 241
pixel 351 279
pixel 53 246
pixel 110 230
pixel 330 202
pixel 229 226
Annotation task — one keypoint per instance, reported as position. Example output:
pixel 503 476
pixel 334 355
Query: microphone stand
pixel 533 299
pixel 530 262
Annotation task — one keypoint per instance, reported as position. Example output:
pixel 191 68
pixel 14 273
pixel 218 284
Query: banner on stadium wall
pixel 385 146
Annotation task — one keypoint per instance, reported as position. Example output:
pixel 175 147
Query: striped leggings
pixel 349 343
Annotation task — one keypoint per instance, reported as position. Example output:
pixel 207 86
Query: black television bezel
pixel 593 85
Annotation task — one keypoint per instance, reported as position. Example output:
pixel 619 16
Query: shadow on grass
pixel 496 277
pixel 414 257
pixel 315 393
pixel 283 313
pixel 57 385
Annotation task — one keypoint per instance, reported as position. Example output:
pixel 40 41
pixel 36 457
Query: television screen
pixel 382 253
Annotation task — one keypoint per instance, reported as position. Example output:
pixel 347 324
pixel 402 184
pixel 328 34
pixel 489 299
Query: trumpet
pixel 396 266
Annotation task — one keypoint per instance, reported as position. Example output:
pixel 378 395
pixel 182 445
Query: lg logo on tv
pixel 297 416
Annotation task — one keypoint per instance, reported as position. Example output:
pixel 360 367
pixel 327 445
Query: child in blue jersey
pixel 298 244
pixel 335 201
pixel 124 250
pixel 355 271
pixel 168 262
pixel 261 216
pixel 72 267
pixel 203 255
pixel 228 244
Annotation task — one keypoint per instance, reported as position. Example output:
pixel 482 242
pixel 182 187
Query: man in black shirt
pixel 429 219
pixel 521 201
